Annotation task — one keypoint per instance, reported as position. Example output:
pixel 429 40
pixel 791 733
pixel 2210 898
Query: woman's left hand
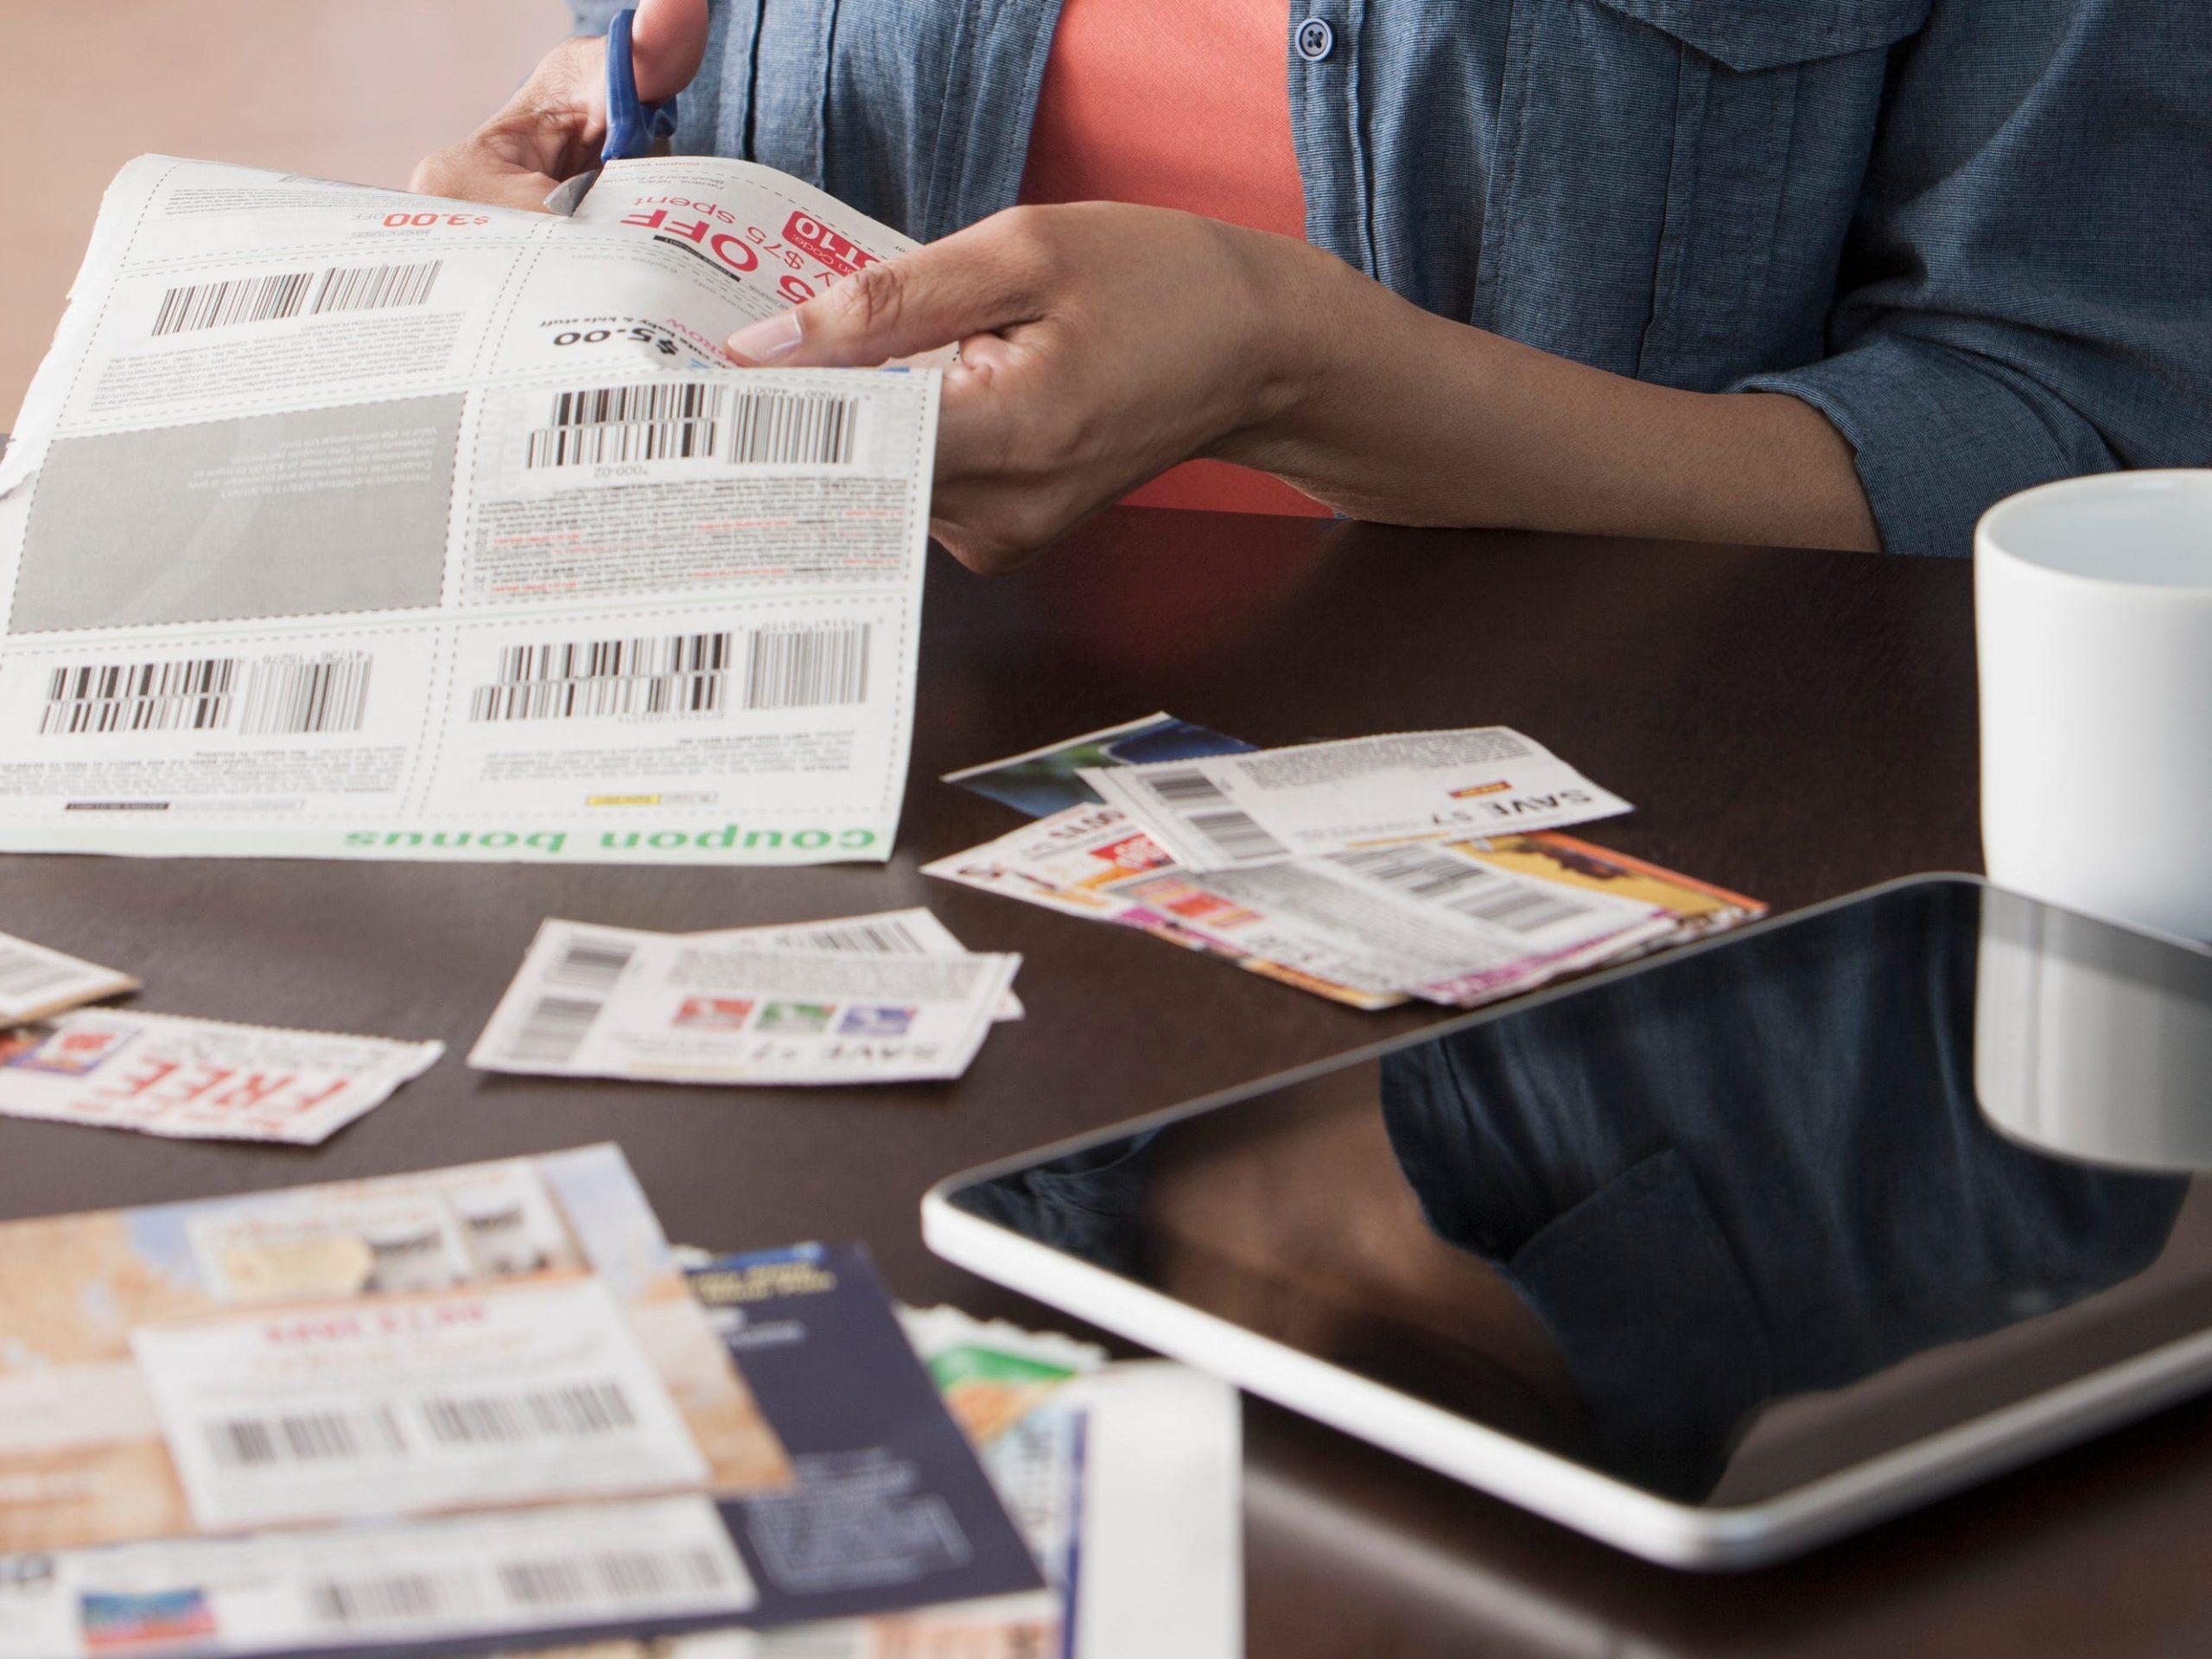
pixel 1100 344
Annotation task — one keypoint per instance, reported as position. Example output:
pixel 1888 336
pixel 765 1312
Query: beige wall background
pixel 348 89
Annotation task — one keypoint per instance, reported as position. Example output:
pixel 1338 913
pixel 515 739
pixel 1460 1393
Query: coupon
pixel 412 1404
pixel 572 968
pixel 319 1351
pixel 162 1074
pixel 684 1010
pixel 35 982
pixel 1433 919
pixel 1439 921
pixel 1232 811
pixel 406 1585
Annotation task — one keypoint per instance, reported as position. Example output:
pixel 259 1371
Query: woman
pixel 1836 274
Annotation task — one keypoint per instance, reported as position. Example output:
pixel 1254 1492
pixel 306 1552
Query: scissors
pixel 632 126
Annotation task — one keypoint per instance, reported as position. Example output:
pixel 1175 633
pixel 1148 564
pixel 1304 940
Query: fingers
pixel 550 129
pixel 461 174
pixel 994 528
pixel 986 277
pixel 999 500
pixel 668 39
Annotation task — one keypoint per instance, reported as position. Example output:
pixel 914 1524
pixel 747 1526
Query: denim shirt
pixel 1973 233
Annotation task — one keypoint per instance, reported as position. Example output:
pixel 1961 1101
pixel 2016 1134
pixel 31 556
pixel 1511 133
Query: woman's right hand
pixel 553 127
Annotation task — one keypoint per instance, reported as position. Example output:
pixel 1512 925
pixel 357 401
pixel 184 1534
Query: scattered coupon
pixel 162 1074
pixel 682 1009
pixel 1461 921
pixel 35 982
pixel 1092 861
pixel 1236 811
pixel 891 1507
pixel 514 1331
pixel 415 1404
pixel 1127 1479
pixel 1040 782
pixel 393 1587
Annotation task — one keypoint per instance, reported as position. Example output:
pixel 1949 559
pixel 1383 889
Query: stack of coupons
pixel 161 1074
pixel 1125 1480
pixel 464 1409
pixel 489 1408
pixel 1424 864
pixel 864 999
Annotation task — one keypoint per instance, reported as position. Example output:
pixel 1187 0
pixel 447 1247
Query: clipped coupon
pixel 202 1080
pixel 1230 811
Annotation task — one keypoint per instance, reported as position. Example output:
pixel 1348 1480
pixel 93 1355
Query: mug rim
pixel 1988 526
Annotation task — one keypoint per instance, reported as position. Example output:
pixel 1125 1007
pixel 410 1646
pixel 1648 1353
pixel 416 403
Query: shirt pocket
pixel 1673 179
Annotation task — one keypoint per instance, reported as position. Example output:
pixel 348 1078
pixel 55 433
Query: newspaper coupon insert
pixel 343 522
pixel 1226 812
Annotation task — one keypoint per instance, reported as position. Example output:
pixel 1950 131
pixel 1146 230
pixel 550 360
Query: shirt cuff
pixel 1940 435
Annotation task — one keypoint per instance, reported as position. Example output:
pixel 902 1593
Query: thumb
pixel 933 296
pixel 667 40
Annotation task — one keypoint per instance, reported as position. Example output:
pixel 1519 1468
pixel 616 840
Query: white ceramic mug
pixel 2093 610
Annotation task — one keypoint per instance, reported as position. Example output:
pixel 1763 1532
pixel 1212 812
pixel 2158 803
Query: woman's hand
pixel 554 126
pixel 1100 344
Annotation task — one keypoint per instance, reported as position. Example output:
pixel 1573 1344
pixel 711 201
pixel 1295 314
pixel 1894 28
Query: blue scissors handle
pixel 631 126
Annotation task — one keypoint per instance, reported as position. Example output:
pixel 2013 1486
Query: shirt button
pixel 1315 40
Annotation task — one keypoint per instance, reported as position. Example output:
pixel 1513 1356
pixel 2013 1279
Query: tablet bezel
pixel 1570 1493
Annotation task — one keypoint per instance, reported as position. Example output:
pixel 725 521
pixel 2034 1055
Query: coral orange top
pixel 1176 104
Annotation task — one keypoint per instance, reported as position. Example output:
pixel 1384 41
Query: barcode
pixel 808 668
pixel 888 937
pixel 555 1029
pixel 1194 797
pixel 1471 890
pixel 290 695
pixel 678 674
pixel 189 695
pixel 663 420
pixel 24 974
pixel 655 422
pixel 592 963
pixel 578 1412
pixel 612 1575
pixel 780 428
pixel 397 1597
pixel 304 1437
pixel 264 299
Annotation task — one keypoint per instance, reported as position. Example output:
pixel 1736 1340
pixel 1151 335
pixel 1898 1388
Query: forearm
pixel 1388 412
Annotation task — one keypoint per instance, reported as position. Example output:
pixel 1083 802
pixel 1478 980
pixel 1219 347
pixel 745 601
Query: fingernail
pixel 767 340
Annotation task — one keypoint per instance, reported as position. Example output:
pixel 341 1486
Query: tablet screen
pixel 1725 1224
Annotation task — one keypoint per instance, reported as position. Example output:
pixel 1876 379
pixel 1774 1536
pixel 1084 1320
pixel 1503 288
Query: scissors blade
pixel 566 197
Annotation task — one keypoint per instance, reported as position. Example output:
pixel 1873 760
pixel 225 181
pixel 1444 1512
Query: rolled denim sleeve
pixel 2024 293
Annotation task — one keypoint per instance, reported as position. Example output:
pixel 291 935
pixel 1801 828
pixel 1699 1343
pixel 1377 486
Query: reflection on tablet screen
pixel 1722 1226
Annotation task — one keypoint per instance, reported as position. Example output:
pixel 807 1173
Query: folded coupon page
pixel 1231 811
pixel 345 523
pixel 200 1079
pixel 679 1008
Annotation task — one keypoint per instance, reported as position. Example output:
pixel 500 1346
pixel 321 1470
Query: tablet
pixel 1713 1257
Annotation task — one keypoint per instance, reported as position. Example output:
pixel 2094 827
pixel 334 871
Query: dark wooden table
pixel 1792 724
